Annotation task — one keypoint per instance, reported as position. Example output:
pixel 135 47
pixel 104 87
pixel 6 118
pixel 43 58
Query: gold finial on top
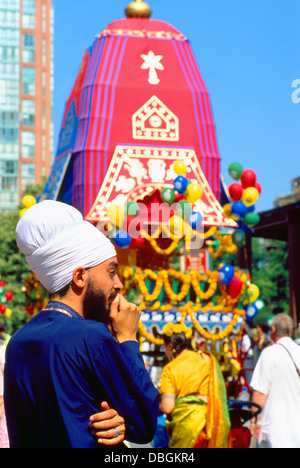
pixel 138 9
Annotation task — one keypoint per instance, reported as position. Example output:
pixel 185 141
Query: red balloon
pixel 235 287
pixel 137 243
pixel 248 178
pixel 2 309
pixel 9 295
pixel 258 187
pixel 235 191
pixel 2 284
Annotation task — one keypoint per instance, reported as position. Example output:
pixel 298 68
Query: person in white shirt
pixel 276 388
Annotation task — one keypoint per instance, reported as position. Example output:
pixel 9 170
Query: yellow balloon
pixel 22 212
pixel 8 312
pixel 28 201
pixel 254 292
pixel 227 210
pixel 180 168
pixel 116 215
pixel 194 192
pixel 250 195
pixel 177 226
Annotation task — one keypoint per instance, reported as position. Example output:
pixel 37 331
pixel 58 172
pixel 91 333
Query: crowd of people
pixel 77 364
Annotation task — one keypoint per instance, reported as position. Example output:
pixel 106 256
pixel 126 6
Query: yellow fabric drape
pixel 195 424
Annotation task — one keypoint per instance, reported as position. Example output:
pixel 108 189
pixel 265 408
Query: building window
pixel 29 81
pixel 28 52
pixel 28 144
pixel 28 113
pixel 28 175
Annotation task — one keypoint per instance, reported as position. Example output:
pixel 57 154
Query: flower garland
pixel 188 280
pixel 177 328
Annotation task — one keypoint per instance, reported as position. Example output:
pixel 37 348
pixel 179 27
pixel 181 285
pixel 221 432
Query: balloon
pixel 238 237
pixel 195 220
pixel 235 170
pixel 184 209
pixel 22 212
pixel 132 209
pixel 253 292
pixel 180 168
pixel 122 239
pixel 9 295
pixel 259 304
pixel 251 312
pixel 180 184
pixel 116 215
pixel 168 195
pixel 250 195
pixel 251 219
pixel 227 210
pixel 250 209
pixel 194 192
pixel 239 209
pixel 137 243
pixel 226 274
pixel 258 187
pixel 2 309
pixel 28 201
pixel 248 178
pixel 234 288
pixel 8 312
pixel 235 191
pixel 177 226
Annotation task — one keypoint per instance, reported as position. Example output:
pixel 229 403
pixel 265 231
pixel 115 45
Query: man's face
pixel 102 288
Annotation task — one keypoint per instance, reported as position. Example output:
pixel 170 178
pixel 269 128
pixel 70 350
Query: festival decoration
pixel 5 297
pixel 27 202
pixel 243 195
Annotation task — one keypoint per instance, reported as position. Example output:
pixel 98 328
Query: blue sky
pixel 248 54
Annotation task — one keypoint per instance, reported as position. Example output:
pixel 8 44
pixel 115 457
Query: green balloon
pixel 184 209
pixel 168 195
pixel 131 209
pixel 251 219
pixel 235 170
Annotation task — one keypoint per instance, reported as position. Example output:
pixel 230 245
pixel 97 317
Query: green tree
pixel 270 274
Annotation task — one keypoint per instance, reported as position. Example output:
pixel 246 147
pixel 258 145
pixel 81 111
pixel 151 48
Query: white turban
pixel 55 240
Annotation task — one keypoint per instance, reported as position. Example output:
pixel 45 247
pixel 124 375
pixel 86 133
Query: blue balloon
pixel 250 209
pixel 122 239
pixel 226 274
pixel 239 209
pixel 180 184
pixel 195 220
pixel 251 312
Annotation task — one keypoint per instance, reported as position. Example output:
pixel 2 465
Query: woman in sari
pixel 193 394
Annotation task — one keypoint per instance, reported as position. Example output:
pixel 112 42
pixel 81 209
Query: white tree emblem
pixel 152 62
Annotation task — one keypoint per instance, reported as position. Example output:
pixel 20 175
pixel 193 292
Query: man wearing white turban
pixel 82 349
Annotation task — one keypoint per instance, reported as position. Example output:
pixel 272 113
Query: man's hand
pixel 124 319
pixel 107 427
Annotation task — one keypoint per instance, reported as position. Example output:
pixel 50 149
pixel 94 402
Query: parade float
pixel 138 157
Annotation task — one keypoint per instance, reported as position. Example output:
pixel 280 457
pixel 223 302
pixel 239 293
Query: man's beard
pixel 96 306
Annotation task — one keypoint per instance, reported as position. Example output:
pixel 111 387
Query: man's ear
pixel 80 277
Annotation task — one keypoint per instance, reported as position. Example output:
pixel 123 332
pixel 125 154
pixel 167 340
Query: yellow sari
pixel 195 423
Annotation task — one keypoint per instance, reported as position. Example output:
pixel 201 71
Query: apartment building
pixel 26 88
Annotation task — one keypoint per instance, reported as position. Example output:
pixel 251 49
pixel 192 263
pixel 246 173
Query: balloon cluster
pixel 5 297
pixel 122 219
pixel 185 193
pixel 234 286
pixel 243 194
pixel 28 201
pixel 229 279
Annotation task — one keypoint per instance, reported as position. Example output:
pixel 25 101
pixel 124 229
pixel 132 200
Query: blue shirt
pixel 58 371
